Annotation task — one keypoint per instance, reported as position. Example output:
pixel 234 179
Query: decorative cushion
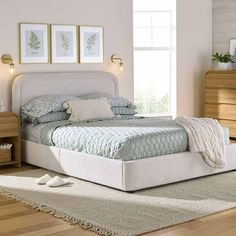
pixel 89 109
pixel 43 105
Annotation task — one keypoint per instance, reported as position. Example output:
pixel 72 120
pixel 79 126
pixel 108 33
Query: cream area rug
pixel 111 212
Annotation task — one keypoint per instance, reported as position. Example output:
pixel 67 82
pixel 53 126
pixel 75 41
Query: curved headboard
pixel 29 85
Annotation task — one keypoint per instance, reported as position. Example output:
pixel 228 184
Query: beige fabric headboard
pixel 29 85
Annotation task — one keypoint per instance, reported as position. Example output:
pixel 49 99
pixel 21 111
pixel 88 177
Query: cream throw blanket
pixel 205 136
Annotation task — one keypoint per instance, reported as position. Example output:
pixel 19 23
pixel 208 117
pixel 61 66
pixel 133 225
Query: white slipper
pixel 44 179
pixel 56 182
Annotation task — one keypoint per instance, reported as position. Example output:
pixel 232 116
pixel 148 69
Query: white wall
pixel 194 41
pixel 115 16
pixel 194 48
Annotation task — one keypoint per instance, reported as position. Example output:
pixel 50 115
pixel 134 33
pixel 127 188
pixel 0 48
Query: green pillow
pixel 50 117
pixel 124 110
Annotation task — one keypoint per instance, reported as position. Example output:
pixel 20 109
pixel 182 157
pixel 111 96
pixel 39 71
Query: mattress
pixel 122 139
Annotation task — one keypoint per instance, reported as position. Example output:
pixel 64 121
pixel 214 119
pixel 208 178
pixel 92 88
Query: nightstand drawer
pixel 9 126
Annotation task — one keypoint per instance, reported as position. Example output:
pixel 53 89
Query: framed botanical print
pixel 64 44
pixel 34 43
pixel 91 44
pixel 233 47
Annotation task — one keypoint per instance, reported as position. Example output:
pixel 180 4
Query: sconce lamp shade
pixel 7 59
pixel 118 60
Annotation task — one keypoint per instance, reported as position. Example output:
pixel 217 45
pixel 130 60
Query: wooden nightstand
pixel 10 133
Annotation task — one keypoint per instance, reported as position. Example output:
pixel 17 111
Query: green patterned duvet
pixel 117 139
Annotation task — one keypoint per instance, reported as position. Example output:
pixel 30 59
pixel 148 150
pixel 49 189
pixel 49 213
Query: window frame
pixel 171 49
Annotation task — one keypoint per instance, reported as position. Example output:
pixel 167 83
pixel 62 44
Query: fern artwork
pixel 65 42
pixel 34 45
pixel 34 42
pixel 91 41
pixel 91 44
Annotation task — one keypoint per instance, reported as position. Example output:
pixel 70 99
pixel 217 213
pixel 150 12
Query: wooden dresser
pixel 220 98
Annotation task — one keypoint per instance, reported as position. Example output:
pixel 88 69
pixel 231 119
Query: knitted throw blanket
pixel 206 137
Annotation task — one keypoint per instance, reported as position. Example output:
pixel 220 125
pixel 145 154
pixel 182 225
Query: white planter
pixel 223 66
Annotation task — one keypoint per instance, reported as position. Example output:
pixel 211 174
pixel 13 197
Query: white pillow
pixel 90 109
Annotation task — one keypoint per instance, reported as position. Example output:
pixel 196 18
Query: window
pixel 154 56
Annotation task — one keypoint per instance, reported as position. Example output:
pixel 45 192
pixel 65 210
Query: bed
pixel 126 173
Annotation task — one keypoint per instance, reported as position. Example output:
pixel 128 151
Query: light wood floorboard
pixel 19 220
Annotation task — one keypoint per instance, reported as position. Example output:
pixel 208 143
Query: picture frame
pixel 64 44
pixel 233 47
pixel 91 44
pixel 34 43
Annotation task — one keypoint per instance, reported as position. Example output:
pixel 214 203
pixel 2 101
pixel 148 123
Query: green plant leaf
pixel 65 42
pixel 223 58
pixel 34 41
pixel 91 41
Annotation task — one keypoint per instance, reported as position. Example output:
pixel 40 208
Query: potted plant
pixel 223 60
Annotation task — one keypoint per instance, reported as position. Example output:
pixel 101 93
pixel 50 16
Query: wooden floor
pixel 16 219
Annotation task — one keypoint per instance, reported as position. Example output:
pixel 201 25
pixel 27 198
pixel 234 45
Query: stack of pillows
pixel 95 106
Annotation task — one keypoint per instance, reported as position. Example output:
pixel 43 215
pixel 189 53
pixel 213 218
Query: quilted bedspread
pixel 129 139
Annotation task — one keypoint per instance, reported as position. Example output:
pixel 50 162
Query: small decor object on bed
pixel 91 109
pixel 64 43
pixel 91 44
pixel 34 43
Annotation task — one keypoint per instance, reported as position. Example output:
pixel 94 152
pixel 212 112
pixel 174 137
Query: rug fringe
pixel 59 214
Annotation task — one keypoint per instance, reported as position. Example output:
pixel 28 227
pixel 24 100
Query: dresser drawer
pixel 231 125
pixel 220 96
pixel 8 126
pixel 220 111
pixel 221 81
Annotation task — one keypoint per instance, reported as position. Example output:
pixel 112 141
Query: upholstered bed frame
pixel 123 175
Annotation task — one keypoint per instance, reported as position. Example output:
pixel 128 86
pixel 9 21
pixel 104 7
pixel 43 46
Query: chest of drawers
pixel 220 98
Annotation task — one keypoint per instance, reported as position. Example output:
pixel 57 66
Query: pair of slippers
pixel 51 182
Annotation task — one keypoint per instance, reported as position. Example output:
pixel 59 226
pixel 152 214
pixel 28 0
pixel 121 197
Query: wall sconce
pixel 7 59
pixel 118 60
